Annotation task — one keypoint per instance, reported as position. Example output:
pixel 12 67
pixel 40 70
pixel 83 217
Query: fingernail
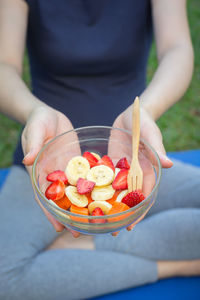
pixel 164 157
pixel 27 155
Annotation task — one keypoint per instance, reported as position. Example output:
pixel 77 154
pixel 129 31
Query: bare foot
pixel 178 268
pixel 66 241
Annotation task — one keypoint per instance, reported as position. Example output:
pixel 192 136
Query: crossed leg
pixel 33 267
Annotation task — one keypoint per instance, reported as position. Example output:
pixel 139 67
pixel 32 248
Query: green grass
pixel 180 125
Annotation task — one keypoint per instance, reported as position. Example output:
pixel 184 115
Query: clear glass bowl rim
pixel 68 213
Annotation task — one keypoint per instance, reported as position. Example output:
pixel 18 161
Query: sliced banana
pixel 121 195
pixel 77 167
pixel 76 199
pixel 96 155
pixel 105 206
pixel 101 175
pixel 117 171
pixel 102 193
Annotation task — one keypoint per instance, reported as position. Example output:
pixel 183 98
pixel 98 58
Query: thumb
pixel 152 134
pixel 156 142
pixel 33 139
pixel 165 161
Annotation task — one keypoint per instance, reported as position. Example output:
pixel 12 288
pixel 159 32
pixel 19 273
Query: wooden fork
pixel 135 175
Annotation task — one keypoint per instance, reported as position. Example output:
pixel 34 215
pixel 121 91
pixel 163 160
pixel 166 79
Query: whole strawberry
pixel 133 198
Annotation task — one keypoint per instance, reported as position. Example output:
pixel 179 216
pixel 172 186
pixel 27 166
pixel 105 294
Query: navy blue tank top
pixel 88 58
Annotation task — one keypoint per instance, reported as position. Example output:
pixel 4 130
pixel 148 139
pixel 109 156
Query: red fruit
pixel 97 212
pixel 133 198
pixel 57 175
pixel 120 181
pixel 106 161
pixel 91 158
pixel 123 164
pixel 84 186
pixel 55 190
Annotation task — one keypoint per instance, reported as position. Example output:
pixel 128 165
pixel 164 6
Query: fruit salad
pixel 92 185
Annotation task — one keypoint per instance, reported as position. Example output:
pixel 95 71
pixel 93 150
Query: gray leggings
pixel 28 271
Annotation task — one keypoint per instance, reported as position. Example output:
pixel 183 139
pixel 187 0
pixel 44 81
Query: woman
pixel 88 61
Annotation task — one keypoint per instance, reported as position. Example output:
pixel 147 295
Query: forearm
pixel 169 82
pixel 16 100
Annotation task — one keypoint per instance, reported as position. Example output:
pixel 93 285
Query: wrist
pixel 148 109
pixel 144 109
pixel 30 107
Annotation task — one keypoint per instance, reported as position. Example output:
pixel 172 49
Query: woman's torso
pixel 88 57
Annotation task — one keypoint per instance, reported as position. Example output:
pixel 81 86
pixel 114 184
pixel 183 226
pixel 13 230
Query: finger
pixel 146 163
pixel 165 161
pixel 115 233
pixel 58 226
pixel 74 233
pixel 32 141
pixel 129 228
pixel 155 140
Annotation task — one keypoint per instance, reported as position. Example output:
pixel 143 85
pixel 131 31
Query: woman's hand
pixel 148 130
pixel 151 133
pixel 44 123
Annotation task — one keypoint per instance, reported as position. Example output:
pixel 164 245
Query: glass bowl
pixel 102 140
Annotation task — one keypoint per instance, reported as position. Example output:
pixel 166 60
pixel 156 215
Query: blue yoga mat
pixel 3 175
pixel 169 289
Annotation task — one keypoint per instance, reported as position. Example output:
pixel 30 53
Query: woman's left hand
pixel 152 134
pixel 148 130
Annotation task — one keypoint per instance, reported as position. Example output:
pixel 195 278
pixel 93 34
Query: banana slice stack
pixel 101 175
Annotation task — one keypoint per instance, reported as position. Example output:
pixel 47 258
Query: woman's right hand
pixel 43 124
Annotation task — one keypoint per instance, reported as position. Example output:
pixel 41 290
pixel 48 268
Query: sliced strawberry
pixel 133 198
pixel 55 190
pixel 91 158
pixel 57 175
pixel 120 181
pixel 123 164
pixel 84 186
pixel 97 212
pixel 106 161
